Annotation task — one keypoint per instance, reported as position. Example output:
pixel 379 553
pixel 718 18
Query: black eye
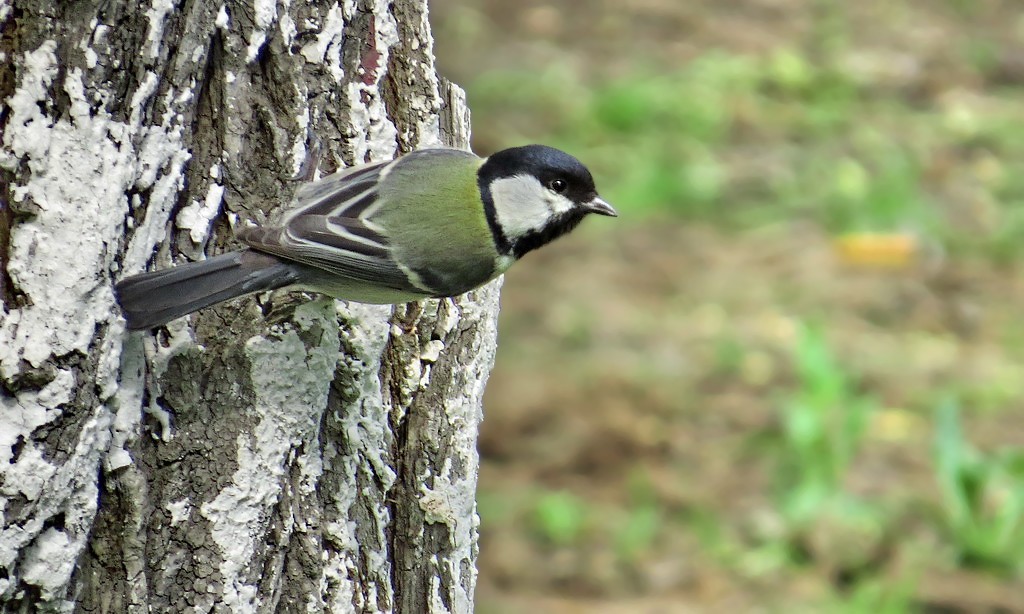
pixel 558 185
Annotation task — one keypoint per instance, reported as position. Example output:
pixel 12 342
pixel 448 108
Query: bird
pixel 429 224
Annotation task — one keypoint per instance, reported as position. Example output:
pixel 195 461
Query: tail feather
pixel 153 299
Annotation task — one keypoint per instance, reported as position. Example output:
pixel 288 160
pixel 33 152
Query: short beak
pixel 601 207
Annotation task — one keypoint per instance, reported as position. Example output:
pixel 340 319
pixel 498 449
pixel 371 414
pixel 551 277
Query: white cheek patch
pixel 523 205
pixel 558 203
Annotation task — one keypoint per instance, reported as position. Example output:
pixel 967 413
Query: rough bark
pixel 275 454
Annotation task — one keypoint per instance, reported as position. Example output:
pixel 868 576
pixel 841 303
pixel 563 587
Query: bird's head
pixel 535 194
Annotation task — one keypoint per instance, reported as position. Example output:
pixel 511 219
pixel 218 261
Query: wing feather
pixel 335 194
pixel 330 227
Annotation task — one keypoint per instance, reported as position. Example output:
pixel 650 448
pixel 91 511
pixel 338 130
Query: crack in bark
pixel 9 46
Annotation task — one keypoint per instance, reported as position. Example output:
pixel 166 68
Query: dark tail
pixel 153 299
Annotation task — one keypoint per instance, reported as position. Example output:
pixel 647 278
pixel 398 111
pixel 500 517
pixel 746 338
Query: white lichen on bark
pixel 290 380
pixel 80 164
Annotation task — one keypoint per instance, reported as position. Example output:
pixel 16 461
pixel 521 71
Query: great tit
pixel 431 223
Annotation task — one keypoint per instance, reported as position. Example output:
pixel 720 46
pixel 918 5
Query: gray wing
pixel 331 227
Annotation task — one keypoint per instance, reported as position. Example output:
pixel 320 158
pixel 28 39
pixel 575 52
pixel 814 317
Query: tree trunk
pixel 278 453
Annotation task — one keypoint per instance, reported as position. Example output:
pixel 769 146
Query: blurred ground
pixel 790 376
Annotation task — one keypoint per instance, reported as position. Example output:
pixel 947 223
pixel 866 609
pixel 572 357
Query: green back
pixel 436 220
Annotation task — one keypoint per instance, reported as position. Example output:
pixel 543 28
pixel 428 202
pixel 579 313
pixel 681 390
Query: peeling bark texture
pixel 280 453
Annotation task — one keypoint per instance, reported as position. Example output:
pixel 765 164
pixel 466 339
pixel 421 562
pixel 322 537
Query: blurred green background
pixel 790 376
